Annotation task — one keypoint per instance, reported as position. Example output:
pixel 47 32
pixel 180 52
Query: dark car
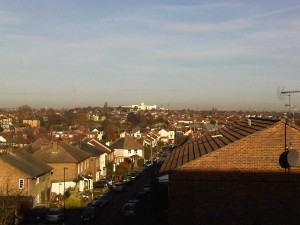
pixel 55 215
pixel 127 180
pixel 129 209
pixel 96 203
pixel 119 187
pixel 38 213
pixel 141 195
pixel 86 195
pixel 101 184
pixel 147 188
pixel 148 163
pixel 88 214
pixel 134 175
pixel 103 199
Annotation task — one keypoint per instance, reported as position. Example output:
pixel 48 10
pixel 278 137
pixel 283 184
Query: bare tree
pixel 12 202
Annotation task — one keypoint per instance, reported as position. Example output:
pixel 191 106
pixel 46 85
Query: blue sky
pixel 185 54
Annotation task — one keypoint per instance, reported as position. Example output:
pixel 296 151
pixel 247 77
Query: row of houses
pixel 244 173
pixel 46 168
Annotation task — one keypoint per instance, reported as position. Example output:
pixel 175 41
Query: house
pixel 23 175
pixel 33 121
pixel 5 122
pixel 13 139
pixel 244 173
pixel 99 156
pixel 99 133
pixel 125 148
pixel 136 132
pixel 124 134
pixel 71 166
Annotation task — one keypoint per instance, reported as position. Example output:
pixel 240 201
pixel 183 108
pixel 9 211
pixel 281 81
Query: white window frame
pixel 21 184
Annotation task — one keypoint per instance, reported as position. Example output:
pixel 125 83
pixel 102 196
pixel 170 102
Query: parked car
pixel 129 209
pixel 141 195
pixel 148 163
pixel 103 199
pixel 134 174
pixel 96 203
pixel 86 195
pixel 88 214
pixel 119 187
pixel 147 188
pixel 127 179
pixel 38 213
pixel 55 215
pixel 101 184
pixel 135 201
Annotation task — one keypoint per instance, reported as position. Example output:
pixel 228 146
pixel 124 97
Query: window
pixel 135 151
pixel 129 151
pixel 21 183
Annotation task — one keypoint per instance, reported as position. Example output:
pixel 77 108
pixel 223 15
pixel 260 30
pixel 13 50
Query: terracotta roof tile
pixel 213 141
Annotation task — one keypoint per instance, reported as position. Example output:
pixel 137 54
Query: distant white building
pixel 142 106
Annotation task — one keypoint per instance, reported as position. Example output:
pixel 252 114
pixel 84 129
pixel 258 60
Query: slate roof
pixel 126 143
pixel 98 144
pixel 65 153
pixel 212 141
pixel 26 163
pixel 94 151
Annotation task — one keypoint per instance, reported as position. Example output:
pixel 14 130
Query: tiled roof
pixel 126 143
pixel 62 153
pixel 95 151
pixel 213 141
pixel 25 162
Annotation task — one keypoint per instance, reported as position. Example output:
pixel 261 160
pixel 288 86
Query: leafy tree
pixel 23 112
pixel 75 200
pixel 123 169
pixel 105 109
pixel 133 118
pixel 147 152
pixel 110 132
pixel 110 168
pixel 213 122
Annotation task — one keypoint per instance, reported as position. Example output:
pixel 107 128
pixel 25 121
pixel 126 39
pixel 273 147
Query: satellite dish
pixel 289 158
pixel 292 157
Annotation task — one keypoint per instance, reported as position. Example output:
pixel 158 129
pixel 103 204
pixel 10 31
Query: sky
pixel 231 55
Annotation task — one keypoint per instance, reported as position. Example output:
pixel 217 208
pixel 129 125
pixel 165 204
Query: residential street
pixel 152 210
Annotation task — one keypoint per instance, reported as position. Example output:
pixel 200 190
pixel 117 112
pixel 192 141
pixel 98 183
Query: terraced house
pixel 23 175
pixel 244 173
pixel 71 166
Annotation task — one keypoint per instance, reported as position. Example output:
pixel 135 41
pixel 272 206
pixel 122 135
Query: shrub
pixel 75 200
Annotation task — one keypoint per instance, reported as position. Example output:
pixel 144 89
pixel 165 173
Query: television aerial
pixel 281 93
pixel 290 156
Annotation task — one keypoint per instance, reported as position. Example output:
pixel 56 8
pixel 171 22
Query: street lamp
pixel 65 168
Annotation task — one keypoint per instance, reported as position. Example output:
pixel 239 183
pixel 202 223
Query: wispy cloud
pixel 7 18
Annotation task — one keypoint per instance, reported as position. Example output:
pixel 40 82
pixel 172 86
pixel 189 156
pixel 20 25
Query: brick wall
pixel 242 183
pixel 58 171
pixel 9 184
